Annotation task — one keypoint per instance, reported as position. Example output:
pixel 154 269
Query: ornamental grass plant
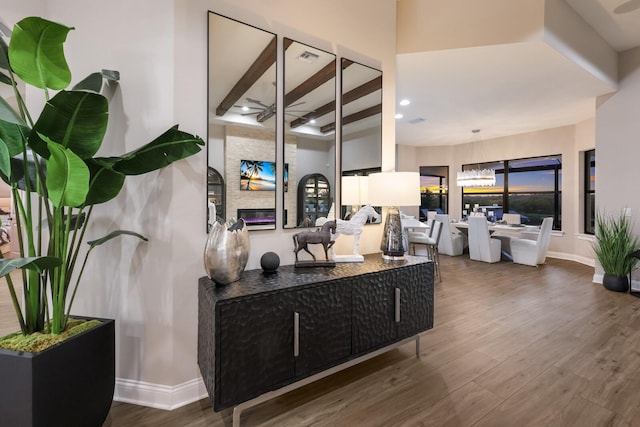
pixel 614 243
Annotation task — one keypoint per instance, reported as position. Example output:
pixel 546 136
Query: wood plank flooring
pixel 512 346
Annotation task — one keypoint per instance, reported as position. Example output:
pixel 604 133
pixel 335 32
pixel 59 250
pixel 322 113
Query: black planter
pixel 616 283
pixel 70 384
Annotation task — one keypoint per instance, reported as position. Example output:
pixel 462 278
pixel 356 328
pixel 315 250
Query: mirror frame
pixel 362 94
pixel 243 75
pixel 309 100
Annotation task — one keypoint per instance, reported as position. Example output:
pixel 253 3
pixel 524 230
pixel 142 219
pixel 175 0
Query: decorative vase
pixel 227 251
pixel 616 283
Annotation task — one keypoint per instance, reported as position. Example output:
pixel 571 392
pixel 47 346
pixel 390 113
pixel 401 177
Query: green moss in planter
pixel 37 342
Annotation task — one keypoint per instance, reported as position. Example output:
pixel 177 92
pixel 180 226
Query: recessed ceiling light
pixel 399 116
pixel 245 108
pixel 312 121
pixel 405 102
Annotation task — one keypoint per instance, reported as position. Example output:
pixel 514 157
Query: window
pixel 433 190
pixel 589 191
pixel 530 187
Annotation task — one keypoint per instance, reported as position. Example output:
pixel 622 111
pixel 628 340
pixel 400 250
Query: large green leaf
pixel 14 136
pixel 67 177
pixel 38 264
pixel 104 184
pixel 167 148
pixel 5 79
pixel 36 53
pixel 4 55
pixel 75 119
pixel 5 159
pixel 92 83
pixel 8 114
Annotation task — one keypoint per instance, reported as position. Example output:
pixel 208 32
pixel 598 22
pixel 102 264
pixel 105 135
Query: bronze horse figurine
pixel 303 238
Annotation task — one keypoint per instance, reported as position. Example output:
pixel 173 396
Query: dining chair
pixel 430 239
pixel 511 218
pixel 533 252
pixel 451 243
pixel 481 246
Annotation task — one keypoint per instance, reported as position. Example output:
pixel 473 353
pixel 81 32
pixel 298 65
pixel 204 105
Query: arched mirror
pixel 310 137
pixel 361 134
pixel 242 120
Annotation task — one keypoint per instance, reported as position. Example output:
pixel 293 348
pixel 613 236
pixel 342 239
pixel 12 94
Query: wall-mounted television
pixel 260 175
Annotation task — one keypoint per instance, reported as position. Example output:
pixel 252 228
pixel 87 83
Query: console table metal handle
pixel 296 334
pixel 397 305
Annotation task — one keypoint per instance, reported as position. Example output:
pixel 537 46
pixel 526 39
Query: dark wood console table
pixel 266 335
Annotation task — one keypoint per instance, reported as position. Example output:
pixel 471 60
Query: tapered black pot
pixel 70 384
pixel 616 283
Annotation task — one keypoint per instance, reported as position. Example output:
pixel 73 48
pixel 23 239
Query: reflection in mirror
pixel 361 133
pixel 242 123
pixel 309 122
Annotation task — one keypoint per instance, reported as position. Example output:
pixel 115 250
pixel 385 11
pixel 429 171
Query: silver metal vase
pixel 227 251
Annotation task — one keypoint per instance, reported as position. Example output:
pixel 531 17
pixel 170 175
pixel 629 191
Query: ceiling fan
pixel 269 110
pixel 626 7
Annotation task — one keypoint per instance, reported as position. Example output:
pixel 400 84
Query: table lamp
pixel 394 189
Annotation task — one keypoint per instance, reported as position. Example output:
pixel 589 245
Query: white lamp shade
pixel 394 189
pixel 354 190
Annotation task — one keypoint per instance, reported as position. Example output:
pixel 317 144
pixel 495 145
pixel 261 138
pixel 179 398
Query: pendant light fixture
pixel 476 177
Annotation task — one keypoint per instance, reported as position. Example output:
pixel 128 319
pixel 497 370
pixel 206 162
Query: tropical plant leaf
pixel 36 53
pixel 104 184
pixel 67 177
pixel 5 159
pixel 113 234
pixel 93 83
pixel 4 56
pixel 5 79
pixel 38 264
pixel 167 148
pixel 18 171
pixel 8 114
pixel 14 136
pixel 111 75
pixel 75 119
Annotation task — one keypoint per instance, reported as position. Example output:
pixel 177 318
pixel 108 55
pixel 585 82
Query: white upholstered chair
pixel 533 252
pixel 510 218
pixel 481 246
pixel 451 242
pixel 430 239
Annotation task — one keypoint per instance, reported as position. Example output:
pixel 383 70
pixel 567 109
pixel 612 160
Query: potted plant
pixel 613 245
pixel 56 179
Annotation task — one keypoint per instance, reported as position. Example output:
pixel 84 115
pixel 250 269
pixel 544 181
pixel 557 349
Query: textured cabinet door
pixel 325 327
pixel 373 312
pixel 416 303
pixel 256 346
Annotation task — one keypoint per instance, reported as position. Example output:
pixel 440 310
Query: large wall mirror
pixel 361 133
pixel 310 134
pixel 241 149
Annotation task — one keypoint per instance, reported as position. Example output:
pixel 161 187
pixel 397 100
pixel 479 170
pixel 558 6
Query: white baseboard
pixel 157 395
pixel 572 257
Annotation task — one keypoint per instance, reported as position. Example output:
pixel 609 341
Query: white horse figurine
pixel 353 227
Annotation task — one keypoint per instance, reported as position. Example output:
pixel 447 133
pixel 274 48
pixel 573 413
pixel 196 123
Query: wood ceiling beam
pixel 363 114
pixel 262 63
pixel 357 93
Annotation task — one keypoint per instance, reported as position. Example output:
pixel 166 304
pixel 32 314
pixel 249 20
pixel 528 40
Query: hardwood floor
pixel 511 345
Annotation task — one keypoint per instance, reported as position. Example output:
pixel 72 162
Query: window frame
pixel 586 228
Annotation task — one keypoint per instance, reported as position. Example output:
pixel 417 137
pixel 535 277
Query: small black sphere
pixel 270 262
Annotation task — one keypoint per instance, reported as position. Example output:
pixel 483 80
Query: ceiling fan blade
pixel 296 104
pixel 627 7
pixel 247 106
pixel 253 112
pixel 255 101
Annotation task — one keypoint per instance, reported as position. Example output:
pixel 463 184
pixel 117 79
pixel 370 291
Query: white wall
pixel 618 143
pixel 160 48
